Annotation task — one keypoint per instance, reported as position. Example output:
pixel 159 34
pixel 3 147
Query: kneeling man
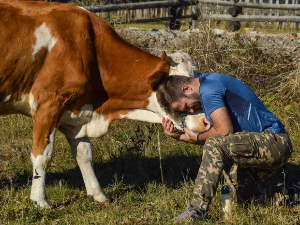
pixel 242 132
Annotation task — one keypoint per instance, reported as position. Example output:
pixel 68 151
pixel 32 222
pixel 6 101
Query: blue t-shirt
pixel 246 111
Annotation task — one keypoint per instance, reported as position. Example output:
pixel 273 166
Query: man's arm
pixel 221 126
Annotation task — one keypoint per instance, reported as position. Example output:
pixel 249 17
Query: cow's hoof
pixel 91 198
pixel 102 199
pixel 42 204
pixel 105 203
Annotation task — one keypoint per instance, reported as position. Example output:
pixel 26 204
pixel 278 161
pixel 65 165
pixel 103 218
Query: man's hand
pixel 221 126
pixel 170 129
pixel 189 136
pixel 186 136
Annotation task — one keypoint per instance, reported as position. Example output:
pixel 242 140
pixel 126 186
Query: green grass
pixel 146 26
pixel 153 25
pixel 127 164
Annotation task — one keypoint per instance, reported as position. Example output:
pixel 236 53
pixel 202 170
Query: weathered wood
pixel 152 10
pixel 141 5
pixel 253 18
pixel 252 5
pixel 155 19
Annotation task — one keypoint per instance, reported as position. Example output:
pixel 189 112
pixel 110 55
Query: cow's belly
pixel 87 123
pixel 83 117
pixel 24 106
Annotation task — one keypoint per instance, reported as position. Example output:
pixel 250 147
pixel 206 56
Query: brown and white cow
pixel 70 70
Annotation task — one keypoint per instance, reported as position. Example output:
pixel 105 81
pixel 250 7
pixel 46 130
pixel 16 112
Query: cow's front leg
pixel 82 152
pixel 44 131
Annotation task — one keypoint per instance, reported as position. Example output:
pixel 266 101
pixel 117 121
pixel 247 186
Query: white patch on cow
pixel 142 115
pixel 97 127
pixel 84 116
pixel 26 105
pixel 183 65
pixel 32 103
pixel 38 193
pixel 155 107
pixel 153 113
pixel 179 69
pixel 44 39
pixel 86 124
pixel 6 99
pixel 21 106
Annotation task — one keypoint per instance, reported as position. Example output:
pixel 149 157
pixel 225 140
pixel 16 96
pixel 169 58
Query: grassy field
pixel 127 162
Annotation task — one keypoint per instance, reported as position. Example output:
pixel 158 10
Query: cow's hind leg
pixel 44 130
pixel 82 152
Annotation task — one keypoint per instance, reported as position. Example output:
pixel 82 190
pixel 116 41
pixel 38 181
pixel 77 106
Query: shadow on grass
pixel 137 171
pixel 134 170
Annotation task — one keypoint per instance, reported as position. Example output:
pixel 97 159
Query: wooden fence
pixel 283 13
pixel 150 11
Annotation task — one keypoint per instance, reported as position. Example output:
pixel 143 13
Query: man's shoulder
pixel 215 76
pixel 208 87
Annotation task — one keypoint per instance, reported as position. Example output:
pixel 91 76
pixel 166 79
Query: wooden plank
pixel 277 14
pixel 245 18
pixel 252 5
pixel 252 18
pixel 154 19
pixel 141 5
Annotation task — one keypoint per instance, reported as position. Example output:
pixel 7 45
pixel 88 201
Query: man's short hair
pixel 169 91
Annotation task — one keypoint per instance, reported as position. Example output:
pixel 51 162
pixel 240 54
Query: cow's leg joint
pixel 82 152
pixel 40 156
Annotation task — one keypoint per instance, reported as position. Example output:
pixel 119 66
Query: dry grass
pixel 289 86
pixel 266 69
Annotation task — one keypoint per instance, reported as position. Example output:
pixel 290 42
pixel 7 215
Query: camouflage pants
pixel 256 156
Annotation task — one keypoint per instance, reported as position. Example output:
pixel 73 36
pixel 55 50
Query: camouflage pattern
pixel 255 157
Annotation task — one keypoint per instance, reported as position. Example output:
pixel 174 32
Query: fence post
pixel 284 24
pixel 277 14
pixel 196 13
pixel 293 24
pixel 175 12
pixel 270 11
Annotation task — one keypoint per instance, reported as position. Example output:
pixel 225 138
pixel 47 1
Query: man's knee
pixel 214 146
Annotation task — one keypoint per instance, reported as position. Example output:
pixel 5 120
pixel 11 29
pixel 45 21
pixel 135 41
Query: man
pixel 241 131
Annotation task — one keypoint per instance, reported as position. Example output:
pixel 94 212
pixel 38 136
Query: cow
pixel 70 71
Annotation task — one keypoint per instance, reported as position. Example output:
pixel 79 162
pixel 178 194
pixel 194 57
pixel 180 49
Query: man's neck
pixel 196 85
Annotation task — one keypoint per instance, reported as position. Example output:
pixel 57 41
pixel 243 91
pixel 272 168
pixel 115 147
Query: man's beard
pixel 196 96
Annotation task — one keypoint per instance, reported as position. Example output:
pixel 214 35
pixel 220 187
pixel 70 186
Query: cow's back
pixel 40 43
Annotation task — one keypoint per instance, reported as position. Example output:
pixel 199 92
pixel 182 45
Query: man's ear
pixel 186 89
